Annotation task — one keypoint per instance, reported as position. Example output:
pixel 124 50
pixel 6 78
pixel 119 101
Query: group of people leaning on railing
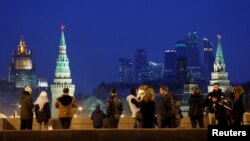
pixel 221 110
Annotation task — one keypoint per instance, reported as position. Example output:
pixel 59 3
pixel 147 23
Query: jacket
pixel 66 105
pixel 166 107
pixel 27 105
pixel 196 105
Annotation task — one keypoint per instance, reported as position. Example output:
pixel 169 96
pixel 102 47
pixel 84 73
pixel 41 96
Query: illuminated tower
pixel 22 70
pixel 219 75
pixel 62 74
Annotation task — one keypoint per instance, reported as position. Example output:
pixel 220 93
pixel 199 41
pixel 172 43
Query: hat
pixel 28 89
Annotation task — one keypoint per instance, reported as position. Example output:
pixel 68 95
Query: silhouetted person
pixel 238 106
pixel 166 108
pixel 27 105
pixel 148 109
pixel 196 108
pixel 97 117
pixel 114 109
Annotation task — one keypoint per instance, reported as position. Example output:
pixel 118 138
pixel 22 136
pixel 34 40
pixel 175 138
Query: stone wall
pixel 86 123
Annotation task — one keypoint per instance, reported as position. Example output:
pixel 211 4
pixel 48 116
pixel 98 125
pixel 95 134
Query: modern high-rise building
pixel 181 71
pixel 193 56
pixel 181 62
pixel 181 48
pixel 170 57
pixel 125 70
pixel 219 75
pixel 208 60
pixel 22 70
pixel 62 74
pixel 141 63
pixel 155 71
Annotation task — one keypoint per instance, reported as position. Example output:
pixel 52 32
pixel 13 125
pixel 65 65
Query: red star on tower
pixel 62 26
pixel 219 36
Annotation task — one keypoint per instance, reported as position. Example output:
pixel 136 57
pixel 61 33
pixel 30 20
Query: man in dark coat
pixel 215 109
pixel 166 108
pixel 114 109
pixel 196 108
pixel 26 103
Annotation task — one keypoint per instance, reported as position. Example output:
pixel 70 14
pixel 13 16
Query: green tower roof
pixel 219 64
pixel 62 63
pixel 219 53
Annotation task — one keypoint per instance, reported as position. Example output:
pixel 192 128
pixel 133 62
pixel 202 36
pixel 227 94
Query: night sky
pixel 98 32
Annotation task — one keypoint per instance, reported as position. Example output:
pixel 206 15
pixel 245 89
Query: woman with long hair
pixel 238 106
pixel 148 109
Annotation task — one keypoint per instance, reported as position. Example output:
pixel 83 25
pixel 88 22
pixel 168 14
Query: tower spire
pixel 219 75
pixel 219 64
pixel 22 46
pixel 62 67
pixel 62 41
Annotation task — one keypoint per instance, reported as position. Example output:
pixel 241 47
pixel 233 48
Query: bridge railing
pixel 86 123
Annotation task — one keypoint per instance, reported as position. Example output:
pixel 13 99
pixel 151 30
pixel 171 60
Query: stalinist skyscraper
pixel 22 70
pixel 219 75
pixel 62 74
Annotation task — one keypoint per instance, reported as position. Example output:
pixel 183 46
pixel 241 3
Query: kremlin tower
pixel 219 75
pixel 62 74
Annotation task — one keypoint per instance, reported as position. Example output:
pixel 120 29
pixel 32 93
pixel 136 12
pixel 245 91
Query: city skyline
pixel 97 36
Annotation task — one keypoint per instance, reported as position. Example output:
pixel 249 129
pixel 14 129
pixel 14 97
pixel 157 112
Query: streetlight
pixel 80 111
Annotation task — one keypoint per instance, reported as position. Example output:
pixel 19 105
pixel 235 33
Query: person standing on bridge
pixel 166 108
pixel 26 103
pixel 66 104
pixel 196 108
pixel 42 110
pixel 114 109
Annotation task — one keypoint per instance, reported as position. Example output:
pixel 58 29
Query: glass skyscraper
pixel 125 70
pixel 141 63
pixel 170 57
pixel 208 60
pixel 193 56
